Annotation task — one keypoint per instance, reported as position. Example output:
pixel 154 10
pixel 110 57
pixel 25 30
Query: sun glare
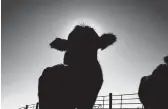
pixel 82 21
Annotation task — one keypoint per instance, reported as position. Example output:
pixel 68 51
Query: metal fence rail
pixel 111 101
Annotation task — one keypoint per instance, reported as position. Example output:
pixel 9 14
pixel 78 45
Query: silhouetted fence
pixel 111 101
pixel 32 106
pixel 122 101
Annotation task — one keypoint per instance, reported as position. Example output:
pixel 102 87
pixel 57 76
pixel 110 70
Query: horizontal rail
pixel 125 94
pixel 119 103
pixel 126 99
pixel 130 98
pixel 101 96
pixel 124 103
pixel 102 100
pixel 103 104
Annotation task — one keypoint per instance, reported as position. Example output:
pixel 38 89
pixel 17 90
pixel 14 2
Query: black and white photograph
pixel 84 54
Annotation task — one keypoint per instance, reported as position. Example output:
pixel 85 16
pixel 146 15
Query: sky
pixel 28 26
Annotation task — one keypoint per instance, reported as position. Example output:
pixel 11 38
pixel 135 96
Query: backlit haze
pixel 28 26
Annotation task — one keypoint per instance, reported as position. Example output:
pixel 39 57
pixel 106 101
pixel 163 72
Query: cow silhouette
pixel 76 82
pixel 153 89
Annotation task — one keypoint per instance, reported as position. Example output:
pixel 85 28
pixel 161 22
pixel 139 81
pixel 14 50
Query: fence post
pixel 121 102
pixel 103 102
pixel 37 104
pixel 26 106
pixel 110 100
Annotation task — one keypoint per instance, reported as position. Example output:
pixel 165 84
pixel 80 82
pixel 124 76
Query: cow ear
pixel 106 39
pixel 59 44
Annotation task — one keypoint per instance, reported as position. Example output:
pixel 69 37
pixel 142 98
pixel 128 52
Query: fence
pixel 111 101
pixel 122 101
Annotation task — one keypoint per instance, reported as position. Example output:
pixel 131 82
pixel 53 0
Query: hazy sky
pixel 28 26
